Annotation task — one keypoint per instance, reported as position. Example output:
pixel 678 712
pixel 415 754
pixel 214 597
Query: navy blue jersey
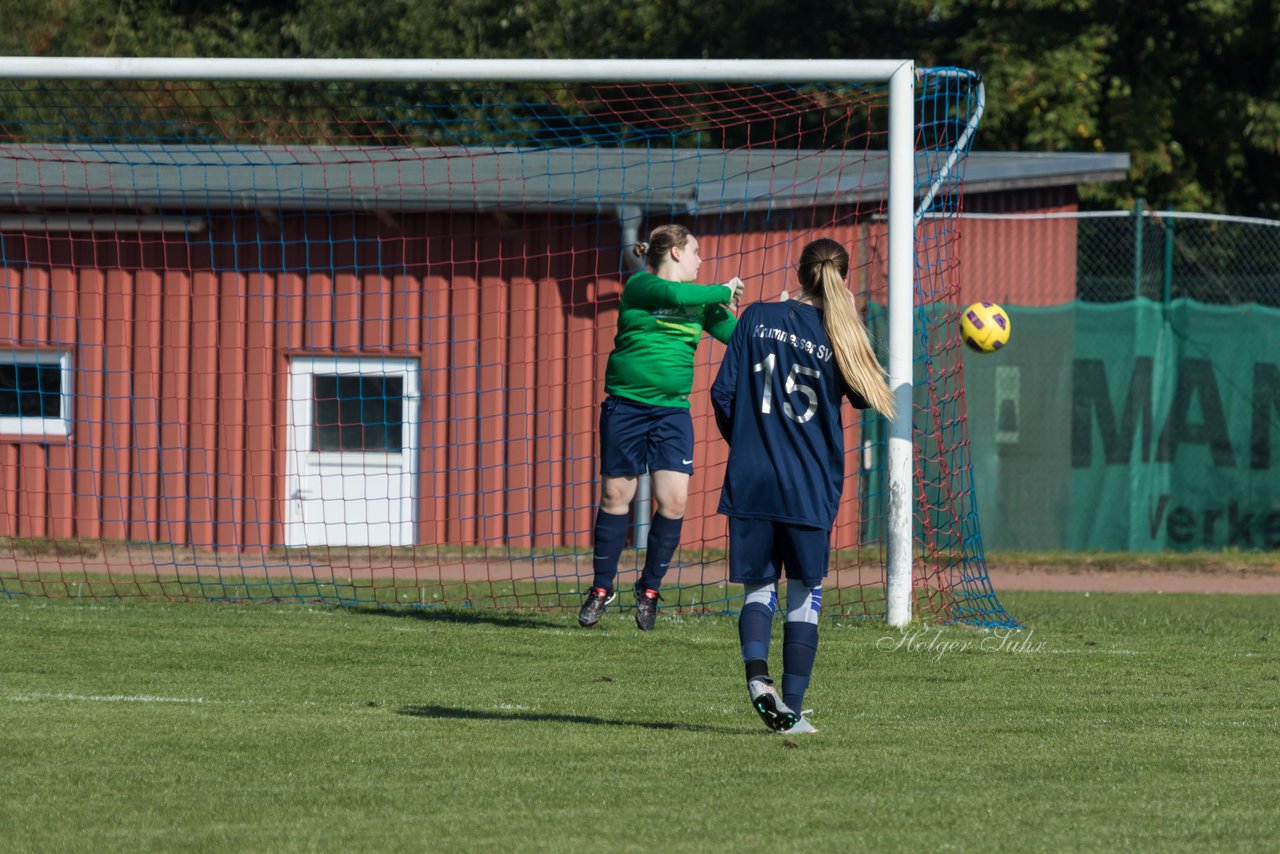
pixel 777 402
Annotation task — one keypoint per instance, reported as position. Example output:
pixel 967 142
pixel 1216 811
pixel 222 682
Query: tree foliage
pixel 1189 88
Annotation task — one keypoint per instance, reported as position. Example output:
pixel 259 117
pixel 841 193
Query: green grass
pixel 1140 722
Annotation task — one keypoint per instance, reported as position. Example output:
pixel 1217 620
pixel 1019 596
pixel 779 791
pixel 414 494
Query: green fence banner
pixel 1129 426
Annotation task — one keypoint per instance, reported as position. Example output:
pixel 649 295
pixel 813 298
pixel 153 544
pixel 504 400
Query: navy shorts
pixel 638 437
pixel 761 551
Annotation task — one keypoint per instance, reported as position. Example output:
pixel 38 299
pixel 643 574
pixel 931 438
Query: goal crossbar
pixel 471 70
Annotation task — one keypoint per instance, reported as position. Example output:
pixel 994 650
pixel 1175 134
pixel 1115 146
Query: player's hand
pixel 784 296
pixel 738 287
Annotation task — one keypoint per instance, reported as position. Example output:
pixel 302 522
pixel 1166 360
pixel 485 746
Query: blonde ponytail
pixel 824 265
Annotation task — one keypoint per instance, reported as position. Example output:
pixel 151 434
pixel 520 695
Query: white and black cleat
pixel 765 700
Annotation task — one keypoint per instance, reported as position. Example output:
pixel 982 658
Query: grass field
pixel 1138 722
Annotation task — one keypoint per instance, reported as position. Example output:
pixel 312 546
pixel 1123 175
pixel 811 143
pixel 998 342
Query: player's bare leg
pixel 617 493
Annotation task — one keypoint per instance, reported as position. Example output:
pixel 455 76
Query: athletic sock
pixel 799 649
pixel 610 539
pixel 664 539
pixel 754 624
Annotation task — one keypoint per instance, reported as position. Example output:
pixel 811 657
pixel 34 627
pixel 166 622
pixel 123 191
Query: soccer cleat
pixel 593 609
pixel 646 608
pixel 802 727
pixel 775 714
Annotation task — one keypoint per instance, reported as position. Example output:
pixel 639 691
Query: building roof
pixel 674 181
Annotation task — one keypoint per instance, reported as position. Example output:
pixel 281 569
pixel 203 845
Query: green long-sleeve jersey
pixel 659 326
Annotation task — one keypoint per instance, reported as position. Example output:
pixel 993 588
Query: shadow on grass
pixel 507 619
pixel 451 713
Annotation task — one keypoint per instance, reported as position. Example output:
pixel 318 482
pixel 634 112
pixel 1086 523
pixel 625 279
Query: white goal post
pixel 899 74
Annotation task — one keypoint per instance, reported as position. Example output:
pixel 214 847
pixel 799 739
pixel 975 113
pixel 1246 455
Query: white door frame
pixel 355 497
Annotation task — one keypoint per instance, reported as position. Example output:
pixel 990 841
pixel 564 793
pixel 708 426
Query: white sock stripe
pixel 762 594
pixel 803 604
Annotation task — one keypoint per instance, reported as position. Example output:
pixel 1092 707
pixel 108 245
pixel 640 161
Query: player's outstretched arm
pixel 660 293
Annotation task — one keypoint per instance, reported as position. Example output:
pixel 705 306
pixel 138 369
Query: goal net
pixel 336 331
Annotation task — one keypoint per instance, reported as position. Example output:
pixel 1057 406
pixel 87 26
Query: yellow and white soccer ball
pixel 985 327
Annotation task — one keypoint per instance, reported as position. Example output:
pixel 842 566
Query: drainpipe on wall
pixel 629 219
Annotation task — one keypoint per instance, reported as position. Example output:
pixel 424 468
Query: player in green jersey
pixel 645 424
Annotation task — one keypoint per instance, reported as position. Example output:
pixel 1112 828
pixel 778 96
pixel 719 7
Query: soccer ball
pixel 985 327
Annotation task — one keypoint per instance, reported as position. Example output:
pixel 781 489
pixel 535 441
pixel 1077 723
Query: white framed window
pixel 35 393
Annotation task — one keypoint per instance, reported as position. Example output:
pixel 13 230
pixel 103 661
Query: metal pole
pixel 900 535
pixel 475 70
pixel 629 217
pixel 1139 215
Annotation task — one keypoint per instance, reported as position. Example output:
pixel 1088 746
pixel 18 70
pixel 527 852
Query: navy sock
pixel 664 539
pixel 754 624
pixel 611 538
pixel 799 649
